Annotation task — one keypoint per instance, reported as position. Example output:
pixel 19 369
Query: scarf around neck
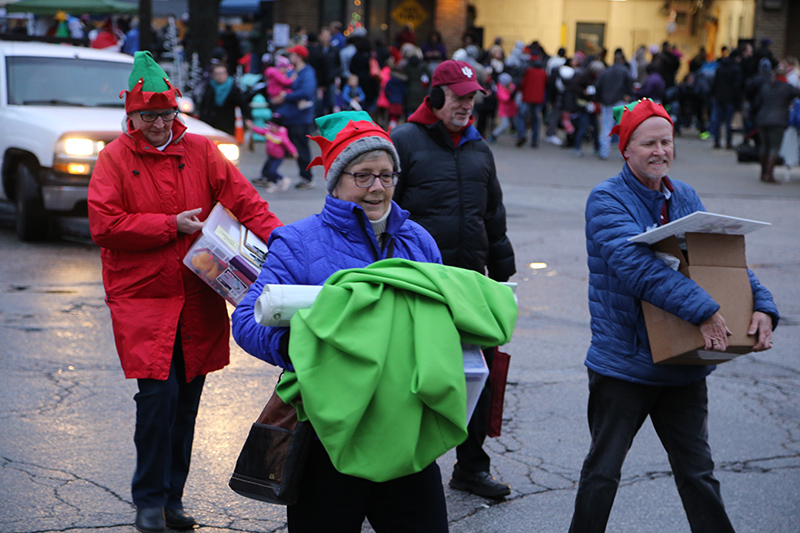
pixel 221 91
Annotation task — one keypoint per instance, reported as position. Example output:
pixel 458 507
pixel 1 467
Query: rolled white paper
pixel 278 303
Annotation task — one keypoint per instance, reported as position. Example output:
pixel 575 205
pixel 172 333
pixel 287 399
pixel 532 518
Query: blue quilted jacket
pixel 622 274
pixel 304 87
pixel 310 250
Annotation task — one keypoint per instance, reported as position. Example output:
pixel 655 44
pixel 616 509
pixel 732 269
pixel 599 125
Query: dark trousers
pixel 297 134
pixel 165 416
pixel 617 410
pixel 722 114
pixel 532 111
pixel 585 120
pixel 270 169
pixel 552 119
pixel 470 455
pixel 337 503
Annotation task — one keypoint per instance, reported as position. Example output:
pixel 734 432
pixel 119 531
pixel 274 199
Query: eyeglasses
pixel 152 116
pixel 365 180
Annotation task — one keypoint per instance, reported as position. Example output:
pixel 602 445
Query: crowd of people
pixel 745 90
pixel 570 97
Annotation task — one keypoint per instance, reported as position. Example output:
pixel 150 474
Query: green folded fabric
pixel 378 362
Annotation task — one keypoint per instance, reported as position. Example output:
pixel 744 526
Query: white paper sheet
pixel 700 222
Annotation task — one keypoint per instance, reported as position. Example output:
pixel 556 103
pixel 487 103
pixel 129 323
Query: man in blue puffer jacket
pixel 625 386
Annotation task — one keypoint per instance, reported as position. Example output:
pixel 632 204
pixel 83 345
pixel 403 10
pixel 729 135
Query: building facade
pixel 384 19
pixel 574 24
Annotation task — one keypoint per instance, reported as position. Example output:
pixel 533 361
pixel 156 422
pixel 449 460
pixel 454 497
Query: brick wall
pixel 772 23
pixel 297 13
pixel 451 21
pixel 793 36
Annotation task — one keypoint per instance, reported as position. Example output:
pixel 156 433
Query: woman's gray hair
pixel 367 156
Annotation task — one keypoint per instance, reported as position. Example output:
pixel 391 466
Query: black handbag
pixel 274 455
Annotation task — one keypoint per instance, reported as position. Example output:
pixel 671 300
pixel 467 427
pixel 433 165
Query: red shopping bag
pixel 497 378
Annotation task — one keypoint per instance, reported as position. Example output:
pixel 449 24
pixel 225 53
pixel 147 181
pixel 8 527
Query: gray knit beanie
pixel 345 136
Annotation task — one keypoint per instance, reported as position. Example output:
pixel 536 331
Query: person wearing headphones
pixel 448 182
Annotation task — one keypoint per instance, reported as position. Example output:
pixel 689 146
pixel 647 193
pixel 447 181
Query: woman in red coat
pixel 150 191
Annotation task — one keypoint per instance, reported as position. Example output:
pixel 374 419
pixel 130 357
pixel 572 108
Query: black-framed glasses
pixel 152 116
pixel 364 180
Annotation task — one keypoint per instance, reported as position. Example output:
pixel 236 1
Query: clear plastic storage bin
pixel 226 255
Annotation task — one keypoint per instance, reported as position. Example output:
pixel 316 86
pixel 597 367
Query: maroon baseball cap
pixel 458 75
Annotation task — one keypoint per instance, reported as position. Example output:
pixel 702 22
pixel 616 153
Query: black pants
pixel 617 409
pixel 297 134
pixel 165 417
pixel 270 169
pixel 333 502
pixel 470 455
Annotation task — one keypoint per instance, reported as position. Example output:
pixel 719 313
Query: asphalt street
pixel 66 426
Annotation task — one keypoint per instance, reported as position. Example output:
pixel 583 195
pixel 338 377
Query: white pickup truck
pixel 59 106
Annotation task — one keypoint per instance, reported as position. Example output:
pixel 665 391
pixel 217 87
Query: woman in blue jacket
pixel 358 225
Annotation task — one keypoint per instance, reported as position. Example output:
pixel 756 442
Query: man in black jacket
pixel 727 93
pixel 614 87
pixel 449 184
pixel 325 60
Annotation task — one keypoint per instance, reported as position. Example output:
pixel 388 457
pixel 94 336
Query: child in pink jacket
pixel 278 145
pixel 278 79
pixel 506 106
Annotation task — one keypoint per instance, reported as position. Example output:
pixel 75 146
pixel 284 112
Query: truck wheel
pixel 33 223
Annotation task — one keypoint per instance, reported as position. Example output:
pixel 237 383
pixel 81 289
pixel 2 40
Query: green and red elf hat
pixel 628 117
pixel 345 136
pixel 149 86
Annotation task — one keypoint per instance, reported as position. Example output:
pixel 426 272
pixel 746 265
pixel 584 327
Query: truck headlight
pixel 76 155
pixel 76 146
pixel 230 151
pixel 79 147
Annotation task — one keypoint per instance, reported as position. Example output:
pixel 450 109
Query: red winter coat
pixel 532 85
pixel 135 193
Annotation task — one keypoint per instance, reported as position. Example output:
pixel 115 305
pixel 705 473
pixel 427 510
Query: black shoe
pixel 480 483
pixel 520 142
pixel 177 519
pixel 150 520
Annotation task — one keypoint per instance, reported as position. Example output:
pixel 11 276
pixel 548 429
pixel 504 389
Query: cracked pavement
pixel 66 426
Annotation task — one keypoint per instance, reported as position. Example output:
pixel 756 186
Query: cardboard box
pixel 226 255
pixel 717 263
